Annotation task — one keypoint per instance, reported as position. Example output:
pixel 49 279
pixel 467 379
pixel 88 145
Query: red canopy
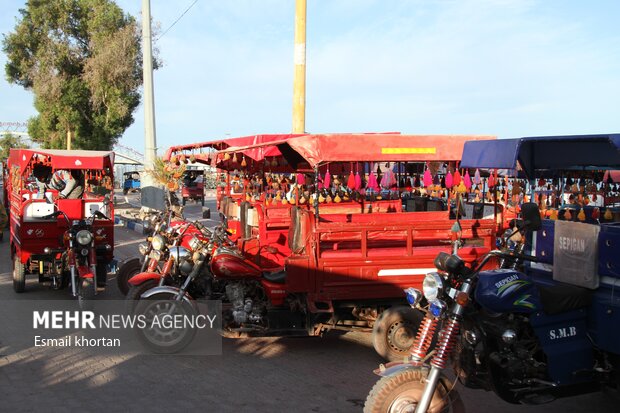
pixel 222 144
pixel 61 159
pixel 320 149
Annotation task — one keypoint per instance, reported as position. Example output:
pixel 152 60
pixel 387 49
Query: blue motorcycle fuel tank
pixel 507 291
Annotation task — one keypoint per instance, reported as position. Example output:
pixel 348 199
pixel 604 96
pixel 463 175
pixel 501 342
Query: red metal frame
pixel 30 235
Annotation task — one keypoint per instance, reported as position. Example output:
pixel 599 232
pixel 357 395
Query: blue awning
pixel 545 153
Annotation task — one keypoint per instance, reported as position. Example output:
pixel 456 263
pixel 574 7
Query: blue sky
pixel 503 67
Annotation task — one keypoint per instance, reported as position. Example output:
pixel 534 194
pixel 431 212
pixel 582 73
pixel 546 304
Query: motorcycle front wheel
pixel 156 335
pixel 400 393
pixel 86 293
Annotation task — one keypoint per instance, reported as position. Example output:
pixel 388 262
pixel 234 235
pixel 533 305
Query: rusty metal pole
pixel 299 79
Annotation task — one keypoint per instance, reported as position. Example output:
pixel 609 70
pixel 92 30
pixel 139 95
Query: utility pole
pixel 152 196
pixel 69 137
pixel 299 79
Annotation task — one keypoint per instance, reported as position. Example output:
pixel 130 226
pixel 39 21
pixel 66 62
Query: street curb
pixel 130 224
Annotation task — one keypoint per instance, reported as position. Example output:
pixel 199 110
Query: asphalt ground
pixel 328 374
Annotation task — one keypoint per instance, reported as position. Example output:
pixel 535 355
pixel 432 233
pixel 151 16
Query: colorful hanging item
pixel 351 181
pixel 477 179
pixel 428 178
pixel 467 181
pixel 328 180
pixel 358 181
pixel 449 180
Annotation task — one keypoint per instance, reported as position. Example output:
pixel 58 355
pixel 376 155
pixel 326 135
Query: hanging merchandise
pixel 372 182
pixel 320 179
pixel 300 179
pixel 243 162
pixel 358 181
pixel 567 215
pixel 596 213
pixel 467 180
pixel 328 179
pixel 582 215
pixel 351 181
pixel 428 179
pixel 477 179
pixel 491 181
pixel 608 215
pixel 456 178
pixel 449 180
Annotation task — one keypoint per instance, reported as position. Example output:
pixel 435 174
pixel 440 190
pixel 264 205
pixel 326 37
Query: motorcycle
pixel 80 256
pixel 527 342
pixel 174 249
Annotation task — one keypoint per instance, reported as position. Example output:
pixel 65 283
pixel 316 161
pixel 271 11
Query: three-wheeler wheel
pixel 394 332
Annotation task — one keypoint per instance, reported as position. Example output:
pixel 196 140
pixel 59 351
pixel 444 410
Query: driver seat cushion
pixel 562 297
pixel 276 277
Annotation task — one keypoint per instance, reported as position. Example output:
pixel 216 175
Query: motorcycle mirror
pixel 206 213
pixel 531 216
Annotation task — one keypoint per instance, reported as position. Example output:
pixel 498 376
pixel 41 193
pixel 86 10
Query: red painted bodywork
pixel 84 272
pixel 143 277
pixel 230 266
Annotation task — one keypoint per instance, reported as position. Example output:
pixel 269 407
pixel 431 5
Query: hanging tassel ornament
pixel 456 178
pixel 243 162
pixel 358 181
pixel 226 156
pixel 608 215
pixel 428 178
pixel 449 180
pixel 477 179
pixel 467 180
pixel 351 181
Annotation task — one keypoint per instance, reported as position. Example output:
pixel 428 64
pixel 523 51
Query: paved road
pixel 329 374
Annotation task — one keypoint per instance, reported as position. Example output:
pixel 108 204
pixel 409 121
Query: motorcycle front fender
pixel 85 272
pixel 166 289
pixel 394 367
pixel 143 277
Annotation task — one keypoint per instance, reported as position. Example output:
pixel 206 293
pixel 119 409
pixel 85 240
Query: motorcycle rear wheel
pixel 400 393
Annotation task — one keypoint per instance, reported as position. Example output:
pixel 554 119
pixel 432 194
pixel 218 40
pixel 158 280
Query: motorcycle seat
pixel 277 277
pixel 562 297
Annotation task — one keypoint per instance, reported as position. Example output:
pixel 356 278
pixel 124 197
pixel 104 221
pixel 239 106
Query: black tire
pixel 135 291
pixel 102 274
pixel 399 393
pixel 125 272
pixel 86 293
pixel 162 340
pixel 19 275
pixel 394 332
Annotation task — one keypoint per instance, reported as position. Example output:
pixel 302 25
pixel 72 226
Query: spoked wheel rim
pixel 157 334
pixel 400 336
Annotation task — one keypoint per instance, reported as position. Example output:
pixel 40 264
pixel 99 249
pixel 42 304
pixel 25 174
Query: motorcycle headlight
pixel 158 243
pixel 432 286
pixel 143 249
pixel 84 237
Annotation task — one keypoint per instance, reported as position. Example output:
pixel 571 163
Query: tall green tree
pixel 82 59
pixel 9 141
